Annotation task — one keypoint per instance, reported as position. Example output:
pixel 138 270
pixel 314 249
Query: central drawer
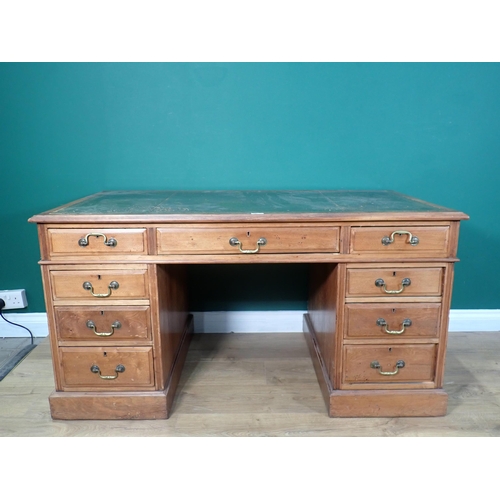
pixel 106 369
pixel 232 239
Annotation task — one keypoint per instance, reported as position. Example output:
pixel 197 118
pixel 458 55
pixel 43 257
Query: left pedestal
pixel 119 337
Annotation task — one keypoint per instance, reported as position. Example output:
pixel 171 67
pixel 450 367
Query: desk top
pixel 249 206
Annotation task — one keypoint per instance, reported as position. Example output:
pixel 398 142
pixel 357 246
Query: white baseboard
pixel 461 320
pixel 36 322
pixel 248 321
pixel 474 320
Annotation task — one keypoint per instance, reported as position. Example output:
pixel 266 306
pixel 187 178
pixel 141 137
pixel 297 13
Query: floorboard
pixel 264 385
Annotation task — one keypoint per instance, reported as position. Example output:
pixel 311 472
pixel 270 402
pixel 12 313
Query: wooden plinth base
pixel 108 405
pixel 372 403
pixel 150 405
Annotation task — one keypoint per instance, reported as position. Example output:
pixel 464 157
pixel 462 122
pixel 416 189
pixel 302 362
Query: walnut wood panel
pixel 322 309
pixel 445 316
pixel 178 364
pixel 361 321
pixel 108 406
pixel 319 364
pixel 454 231
pixel 380 403
pixel 215 240
pixel 132 324
pixel 170 295
pixel 342 270
pixel 133 284
pixel 76 363
pixel 419 364
pixel 65 241
pixel 432 240
pixel 425 281
pixel 51 321
pixel 42 241
pixel 256 258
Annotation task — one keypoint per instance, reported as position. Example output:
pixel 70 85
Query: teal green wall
pixel 429 130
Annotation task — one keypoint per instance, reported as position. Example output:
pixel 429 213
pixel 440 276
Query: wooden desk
pixel 113 267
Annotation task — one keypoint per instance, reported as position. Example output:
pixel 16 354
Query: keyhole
pixel 390 349
pixel 248 233
pixel 394 310
pixel 102 313
pixel 98 276
pixel 394 273
pixel 105 353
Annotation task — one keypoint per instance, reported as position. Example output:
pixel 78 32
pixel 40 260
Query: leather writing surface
pixel 245 202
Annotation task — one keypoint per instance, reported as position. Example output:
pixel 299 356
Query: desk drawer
pixel 106 369
pixel 389 364
pixel 100 284
pixel 392 321
pixel 186 239
pixel 101 324
pixel 394 282
pixel 96 241
pixel 407 241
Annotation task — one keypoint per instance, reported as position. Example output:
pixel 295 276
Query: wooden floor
pixel 264 385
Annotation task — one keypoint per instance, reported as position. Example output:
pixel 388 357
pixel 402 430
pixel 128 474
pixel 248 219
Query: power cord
pixel 15 360
pixel 2 305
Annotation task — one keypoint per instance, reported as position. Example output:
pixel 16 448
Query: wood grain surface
pixel 264 385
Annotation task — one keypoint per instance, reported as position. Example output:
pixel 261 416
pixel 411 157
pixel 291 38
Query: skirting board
pixel 36 322
pixel 461 320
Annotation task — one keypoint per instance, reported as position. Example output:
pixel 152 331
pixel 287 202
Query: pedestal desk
pixel 114 276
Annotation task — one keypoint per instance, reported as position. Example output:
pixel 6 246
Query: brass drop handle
pixel 83 242
pixel 119 369
pixel 412 240
pixel 236 242
pixel 87 285
pixel 404 283
pixel 376 365
pixel 383 322
pixel 91 325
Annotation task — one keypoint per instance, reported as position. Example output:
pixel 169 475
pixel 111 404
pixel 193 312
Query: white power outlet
pixel 14 299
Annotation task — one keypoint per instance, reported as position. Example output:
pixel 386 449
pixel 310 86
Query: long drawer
pixel 192 239
pixel 389 364
pixel 391 321
pixel 106 368
pixel 103 323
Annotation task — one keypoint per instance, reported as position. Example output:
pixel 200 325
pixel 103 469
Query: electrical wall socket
pixel 14 299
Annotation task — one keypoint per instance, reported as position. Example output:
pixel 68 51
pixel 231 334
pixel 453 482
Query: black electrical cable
pixel 15 360
pixel 2 305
